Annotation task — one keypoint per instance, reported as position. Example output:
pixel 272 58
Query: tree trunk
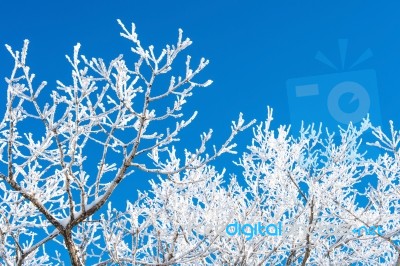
pixel 72 250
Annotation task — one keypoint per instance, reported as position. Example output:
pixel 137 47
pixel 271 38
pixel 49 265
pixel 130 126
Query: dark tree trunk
pixel 72 250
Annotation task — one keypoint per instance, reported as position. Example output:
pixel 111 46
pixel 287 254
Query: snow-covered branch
pixel 110 116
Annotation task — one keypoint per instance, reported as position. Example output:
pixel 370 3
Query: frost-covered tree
pixel 63 153
pixel 312 185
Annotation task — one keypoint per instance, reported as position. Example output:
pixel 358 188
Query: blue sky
pixel 256 49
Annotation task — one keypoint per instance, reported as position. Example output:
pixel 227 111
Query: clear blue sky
pixel 258 50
